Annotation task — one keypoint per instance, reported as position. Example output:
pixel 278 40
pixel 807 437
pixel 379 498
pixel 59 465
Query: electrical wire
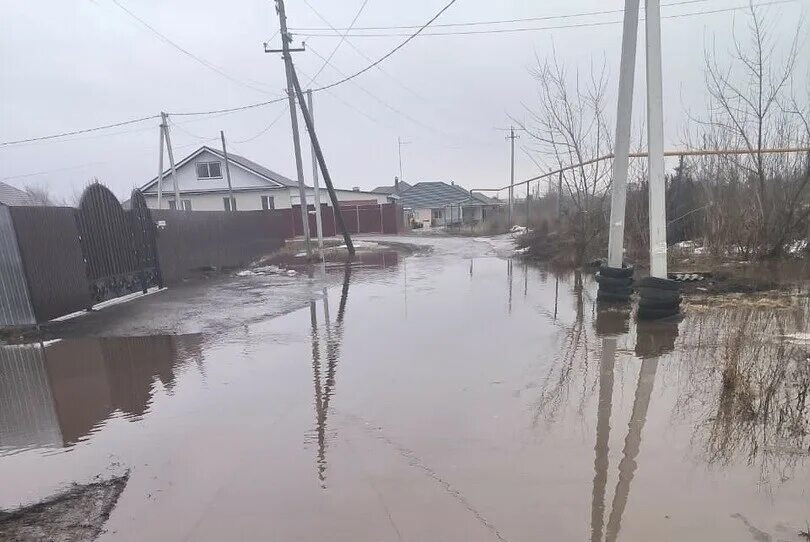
pixel 557 27
pixel 481 23
pixel 342 39
pixel 391 52
pixel 229 109
pixel 175 45
pixel 76 132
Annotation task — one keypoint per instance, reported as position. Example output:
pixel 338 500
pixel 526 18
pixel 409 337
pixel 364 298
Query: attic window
pixel 209 170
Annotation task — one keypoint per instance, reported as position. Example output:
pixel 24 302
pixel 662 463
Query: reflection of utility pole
pixel 400 143
pixel 628 465
pixel 509 282
pixel 600 464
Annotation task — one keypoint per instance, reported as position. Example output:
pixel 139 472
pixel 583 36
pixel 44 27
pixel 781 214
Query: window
pixel 267 203
pixel 185 202
pixel 437 214
pixel 209 170
pixel 229 203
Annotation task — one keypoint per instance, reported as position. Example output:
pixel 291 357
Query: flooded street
pixel 454 394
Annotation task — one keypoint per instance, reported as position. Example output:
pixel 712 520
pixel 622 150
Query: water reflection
pixel 56 394
pixel 325 385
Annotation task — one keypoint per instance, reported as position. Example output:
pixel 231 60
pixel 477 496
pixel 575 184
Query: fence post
pixel 357 210
pixel 382 223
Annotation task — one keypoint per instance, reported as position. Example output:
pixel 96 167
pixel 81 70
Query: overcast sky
pixel 73 64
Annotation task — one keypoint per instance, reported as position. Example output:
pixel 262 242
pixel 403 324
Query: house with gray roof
pixel 439 204
pixel 203 186
pixel 14 196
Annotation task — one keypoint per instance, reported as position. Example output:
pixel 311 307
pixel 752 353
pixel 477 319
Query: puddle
pixel 455 396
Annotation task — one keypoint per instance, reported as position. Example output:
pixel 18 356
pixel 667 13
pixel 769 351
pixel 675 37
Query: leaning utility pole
pixel 618 192
pixel 165 118
pixel 232 202
pixel 318 219
pixel 285 53
pixel 319 154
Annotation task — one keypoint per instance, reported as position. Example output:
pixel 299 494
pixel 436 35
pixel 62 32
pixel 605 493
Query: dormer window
pixel 209 170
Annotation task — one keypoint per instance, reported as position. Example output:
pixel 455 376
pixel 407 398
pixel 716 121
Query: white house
pixel 203 185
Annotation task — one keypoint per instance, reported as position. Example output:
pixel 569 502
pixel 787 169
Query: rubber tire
pixel 645 313
pixel 611 283
pixel 654 294
pixel 625 271
pixel 660 284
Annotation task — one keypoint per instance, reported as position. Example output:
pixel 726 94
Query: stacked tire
pixel 615 283
pixel 659 298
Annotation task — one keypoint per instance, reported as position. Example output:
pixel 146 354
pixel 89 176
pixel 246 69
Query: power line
pixel 480 23
pixel 186 52
pixel 342 39
pixel 391 52
pixel 76 132
pixel 229 109
pixel 361 53
pixel 557 27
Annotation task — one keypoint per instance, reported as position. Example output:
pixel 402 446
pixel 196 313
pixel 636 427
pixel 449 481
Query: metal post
pixel 319 154
pixel 160 168
pixel 315 183
pixel 527 205
pixel 232 205
pixel 618 195
pixel 559 196
pixel 655 142
pixel 302 196
pixel 512 138
pixel 177 203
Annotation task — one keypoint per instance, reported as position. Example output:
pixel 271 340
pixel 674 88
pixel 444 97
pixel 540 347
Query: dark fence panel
pixel 15 306
pixel 371 219
pixel 49 246
pixel 392 218
pixel 189 240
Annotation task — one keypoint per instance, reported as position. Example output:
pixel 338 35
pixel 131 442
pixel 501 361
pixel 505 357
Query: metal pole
pixel 315 183
pixel 618 195
pixel 319 154
pixel 559 196
pixel 655 142
pixel 299 166
pixel 160 168
pixel 177 203
pixel 527 206
pixel 511 137
pixel 232 205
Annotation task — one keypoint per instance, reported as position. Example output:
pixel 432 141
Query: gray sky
pixel 67 65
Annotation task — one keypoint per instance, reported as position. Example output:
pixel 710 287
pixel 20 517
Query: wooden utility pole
pixel 618 192
pixel 177 203
pixel 315 183
pixel 160 166
pixel 319 154
pixel 232 205
pixel 299 165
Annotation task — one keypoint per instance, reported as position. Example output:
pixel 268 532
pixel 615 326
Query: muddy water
pixel 454 396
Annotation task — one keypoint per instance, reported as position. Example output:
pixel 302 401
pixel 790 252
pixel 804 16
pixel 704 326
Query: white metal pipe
pixel 655 141
pixel 160 168
pixel 618 196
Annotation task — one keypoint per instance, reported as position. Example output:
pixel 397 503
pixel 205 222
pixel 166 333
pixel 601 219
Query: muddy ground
pixel 451 394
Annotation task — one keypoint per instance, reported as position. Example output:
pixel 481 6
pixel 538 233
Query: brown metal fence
pixel 58 260
pixel 201 239
pixel 372 218
pixel 53 261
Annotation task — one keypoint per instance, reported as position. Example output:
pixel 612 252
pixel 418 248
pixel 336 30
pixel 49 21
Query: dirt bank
pixel 77 515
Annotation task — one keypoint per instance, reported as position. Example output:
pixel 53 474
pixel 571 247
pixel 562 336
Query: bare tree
pixel 569 127
pixel 41 195
pixel 745 110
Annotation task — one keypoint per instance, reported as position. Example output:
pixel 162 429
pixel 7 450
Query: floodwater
pixel 456 395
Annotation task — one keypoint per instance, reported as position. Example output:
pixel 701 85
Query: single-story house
pixel 201 178
pixel 14 196
pixel 438 204
pixel 395 190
